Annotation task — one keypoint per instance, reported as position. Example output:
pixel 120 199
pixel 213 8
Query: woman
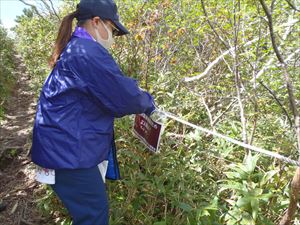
pixel 73 142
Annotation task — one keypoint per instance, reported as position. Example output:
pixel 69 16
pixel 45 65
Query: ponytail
pixel 63 37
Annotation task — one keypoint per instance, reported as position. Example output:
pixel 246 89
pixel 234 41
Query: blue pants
pixel 83 193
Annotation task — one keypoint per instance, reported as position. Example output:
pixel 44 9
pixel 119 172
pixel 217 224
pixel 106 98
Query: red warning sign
pixel 148 131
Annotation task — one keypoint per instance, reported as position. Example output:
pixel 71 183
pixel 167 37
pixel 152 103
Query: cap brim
pixel 121 28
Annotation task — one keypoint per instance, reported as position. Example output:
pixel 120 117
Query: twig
pixel 223 113
pixel 288 82
pixel 295 187
pixel 270 63
pixel 212 27
pixel 254 128
pixel 278 101
pixel 292 5
pixel 272 35
pixel 261 72
pixel 237 73
pixel 34 9
pixel 208 69
pixel 257 56
pixel 47 6
pixel 53 9
pixel 13 210
pixel 209 113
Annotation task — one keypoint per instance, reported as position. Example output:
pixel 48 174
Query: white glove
pixel 158 116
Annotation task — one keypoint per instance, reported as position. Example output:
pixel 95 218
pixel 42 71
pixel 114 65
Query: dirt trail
pixel 18 189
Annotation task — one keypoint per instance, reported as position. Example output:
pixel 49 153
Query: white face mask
pixel 105 43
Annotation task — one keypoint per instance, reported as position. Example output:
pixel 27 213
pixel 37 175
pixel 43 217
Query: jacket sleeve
pixel 117 93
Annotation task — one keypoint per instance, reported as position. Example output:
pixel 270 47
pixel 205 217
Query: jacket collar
pixel 82 33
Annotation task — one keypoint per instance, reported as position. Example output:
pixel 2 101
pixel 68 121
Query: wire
pixel 247 146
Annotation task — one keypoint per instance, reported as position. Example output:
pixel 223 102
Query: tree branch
pixel 212 27
pixel 254 72
pixel 269 64
pixel 292 5
pixel 278 101
pixel 46 5
pixel 209 113
pixel 206 72
pixel 223 113
pixel 52 9
pixel 34 8
pixel 272 35
pixel 289 85
pixel 238 82
pixel 295 187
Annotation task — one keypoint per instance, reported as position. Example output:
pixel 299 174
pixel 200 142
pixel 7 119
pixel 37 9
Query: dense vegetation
pixel 7 66
pixel 212 63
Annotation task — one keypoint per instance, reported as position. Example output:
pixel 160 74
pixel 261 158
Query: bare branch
pixel 270 64
pixel 50 8
pixel 53 9
pixel 289 85
pixel 278 101
pixel 238 82
pixel 272 35
pixel 295 187
pixel 223 113
pixel 292 5
pixel 208 112
pixel 47 6
pixel 34 8
pixel 254 72
pixel 208 69
pixel 212 27
pixel 254 128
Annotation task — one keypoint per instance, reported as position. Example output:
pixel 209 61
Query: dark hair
pixel 63 37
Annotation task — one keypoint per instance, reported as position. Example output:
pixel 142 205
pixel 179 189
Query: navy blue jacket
pixel 78 103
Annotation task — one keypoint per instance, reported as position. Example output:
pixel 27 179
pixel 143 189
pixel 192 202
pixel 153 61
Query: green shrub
pixel 195 179
pixel 7 67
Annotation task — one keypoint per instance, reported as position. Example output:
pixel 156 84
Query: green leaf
pixel 243 202
pixel 267 176
pixel 255 208
pixel 232 175
pixel 265 197
pixel 185 207
pixel 250 162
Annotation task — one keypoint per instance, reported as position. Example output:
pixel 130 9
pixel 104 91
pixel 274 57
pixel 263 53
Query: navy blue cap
pixel 105 9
